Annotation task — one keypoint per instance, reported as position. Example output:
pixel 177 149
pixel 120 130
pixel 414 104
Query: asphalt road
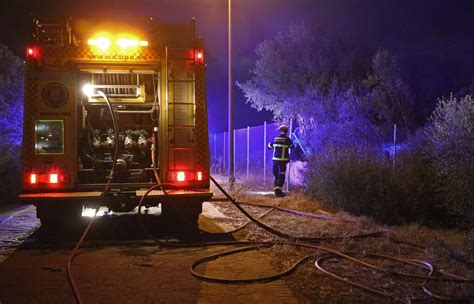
pixel 120 264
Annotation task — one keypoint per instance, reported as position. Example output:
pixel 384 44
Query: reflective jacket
pixel 281 148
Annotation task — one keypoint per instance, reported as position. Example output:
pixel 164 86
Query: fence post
pixel 264 152
pixel 233 154
pixel 215 146
pixel 394 143
pixel 248 151
pixel 223 152
pixel 288 180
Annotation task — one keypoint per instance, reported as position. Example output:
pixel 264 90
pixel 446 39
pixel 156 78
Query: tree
pixel 297 69
pixel 11 106
pixel 388 95
pixel 304 74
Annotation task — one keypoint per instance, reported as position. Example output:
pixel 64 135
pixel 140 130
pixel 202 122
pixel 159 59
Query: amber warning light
pixel 103 43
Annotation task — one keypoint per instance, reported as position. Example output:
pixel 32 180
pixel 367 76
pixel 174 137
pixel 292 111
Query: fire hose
pixel 291 240
pixel 297 242
pixel 73 254
pixel 305 242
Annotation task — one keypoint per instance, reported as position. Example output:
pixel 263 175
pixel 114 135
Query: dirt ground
pixel 118 264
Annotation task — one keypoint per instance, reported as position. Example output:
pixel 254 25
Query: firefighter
pixel 281 156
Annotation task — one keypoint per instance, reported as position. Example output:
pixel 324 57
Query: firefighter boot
pixel 279 192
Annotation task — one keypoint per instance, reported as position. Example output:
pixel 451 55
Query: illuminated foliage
pixel 297 69
pixel 450 143
pixel 11 106
pixel 337 94
pixel 345 107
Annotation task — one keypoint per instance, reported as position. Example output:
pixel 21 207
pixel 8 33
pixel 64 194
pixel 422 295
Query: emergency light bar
pixel 125 43
pixel 103 43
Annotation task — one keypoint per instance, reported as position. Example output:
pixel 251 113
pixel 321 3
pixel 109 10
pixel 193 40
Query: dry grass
pixel 451 251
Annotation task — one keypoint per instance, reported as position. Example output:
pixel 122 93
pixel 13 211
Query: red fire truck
pixel 153 75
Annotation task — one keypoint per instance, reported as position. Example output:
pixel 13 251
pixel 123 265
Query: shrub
pixel 367 185
pixel 450 145
pixel 431 183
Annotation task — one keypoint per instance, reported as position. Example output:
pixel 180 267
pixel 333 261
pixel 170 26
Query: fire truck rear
pixel 153 76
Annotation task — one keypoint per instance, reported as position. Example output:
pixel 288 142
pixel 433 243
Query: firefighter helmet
pixel 283 128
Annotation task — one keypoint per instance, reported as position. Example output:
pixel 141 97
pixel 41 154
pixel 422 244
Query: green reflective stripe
pixel 280 158
pixel 280 145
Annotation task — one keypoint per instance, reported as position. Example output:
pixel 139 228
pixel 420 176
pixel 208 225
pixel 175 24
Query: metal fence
pixel 252 158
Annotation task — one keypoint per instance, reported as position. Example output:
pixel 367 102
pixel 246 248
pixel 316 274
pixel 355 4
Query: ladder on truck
pixel 181 105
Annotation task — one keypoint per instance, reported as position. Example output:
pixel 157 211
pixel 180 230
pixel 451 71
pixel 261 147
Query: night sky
pixel 433 39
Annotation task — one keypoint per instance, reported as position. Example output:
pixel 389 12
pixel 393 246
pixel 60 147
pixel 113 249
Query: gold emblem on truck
pixel 55 95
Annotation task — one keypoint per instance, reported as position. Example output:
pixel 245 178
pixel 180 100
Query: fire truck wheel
pixel 59 214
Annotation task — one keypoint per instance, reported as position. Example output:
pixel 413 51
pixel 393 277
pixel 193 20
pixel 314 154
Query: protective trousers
pixel 279 171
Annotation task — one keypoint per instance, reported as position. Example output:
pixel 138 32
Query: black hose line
pixel 272 208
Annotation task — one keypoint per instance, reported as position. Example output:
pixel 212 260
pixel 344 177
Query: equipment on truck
pixel 154 77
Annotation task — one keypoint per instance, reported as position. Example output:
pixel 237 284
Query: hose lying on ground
pixel 303 242
pixel 331 253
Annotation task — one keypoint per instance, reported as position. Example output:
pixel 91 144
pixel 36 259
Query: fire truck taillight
pixel 53 178
pixel 185 176
pixel 199 56
pixel 181 176
pixel 33 178
pixel 32 52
